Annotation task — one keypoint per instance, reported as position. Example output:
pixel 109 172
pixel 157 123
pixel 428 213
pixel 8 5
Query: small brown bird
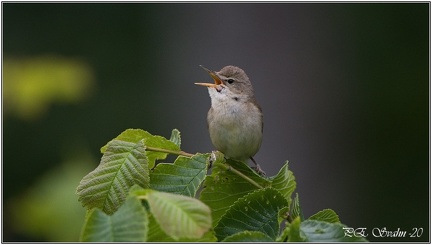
pixel 235 120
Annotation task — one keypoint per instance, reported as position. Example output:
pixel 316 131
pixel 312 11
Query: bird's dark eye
pixel 230 81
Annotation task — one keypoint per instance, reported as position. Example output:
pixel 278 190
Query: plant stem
pixel 222 165
pixel 230 168
pixel 149 148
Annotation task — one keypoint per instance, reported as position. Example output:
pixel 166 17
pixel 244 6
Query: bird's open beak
pixel 216 79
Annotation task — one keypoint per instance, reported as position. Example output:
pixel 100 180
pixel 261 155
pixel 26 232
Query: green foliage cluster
pixel 133 197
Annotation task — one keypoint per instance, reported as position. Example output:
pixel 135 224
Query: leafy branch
pixel 134 197
pixel 180 153
pixel 221 165
pixel 230 168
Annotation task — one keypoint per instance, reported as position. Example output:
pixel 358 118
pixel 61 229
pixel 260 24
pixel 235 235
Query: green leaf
pixel 179 216
pixel 123 165
pixel 291 233
pixel 321 231
pixel 284 182
pixel 175 137
pixel 129 135
pixel 326 215
pixel 155 141
pixel 248 236
pixel 294 231
pixel 156 234
pixel 223 187
pixel 128 224
pixel 283 214
pixel 257 211
pixel 184 177
pixel 296 210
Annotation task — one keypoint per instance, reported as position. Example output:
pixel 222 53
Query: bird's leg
pixel 257 168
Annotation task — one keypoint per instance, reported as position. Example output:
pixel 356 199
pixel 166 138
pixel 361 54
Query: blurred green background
pixel 344 89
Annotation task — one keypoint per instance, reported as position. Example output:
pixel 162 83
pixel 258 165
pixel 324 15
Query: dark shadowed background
pixel 344 89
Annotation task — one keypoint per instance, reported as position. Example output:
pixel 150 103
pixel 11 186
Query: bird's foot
pixel 259 171
pixel 257 168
